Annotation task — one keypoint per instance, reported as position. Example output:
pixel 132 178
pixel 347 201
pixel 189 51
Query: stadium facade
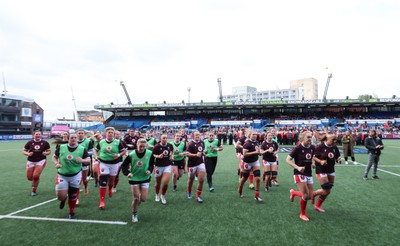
pixel 301 89
pixel 19 115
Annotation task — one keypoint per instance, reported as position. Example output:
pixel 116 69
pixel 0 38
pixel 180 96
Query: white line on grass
pixel 65 220
pixel 24 209
pixel 12 216
pixel 395 174
pixel 355 165
pixel 10 150
pixel 389 165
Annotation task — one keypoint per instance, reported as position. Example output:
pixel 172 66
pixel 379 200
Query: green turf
pixel 358 212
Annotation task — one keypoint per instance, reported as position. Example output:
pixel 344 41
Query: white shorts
pixel 323 175
pixel 159 171
pixel 63 182
pixel 30 164
pixel 249 166
pixel 269 163
pixel 85 168
pixel 298 178
pixel 192 171
pixel 142 185
pixel 108 169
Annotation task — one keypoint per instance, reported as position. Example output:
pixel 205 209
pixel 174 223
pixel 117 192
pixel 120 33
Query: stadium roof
pixel 8 96
pixel 378 102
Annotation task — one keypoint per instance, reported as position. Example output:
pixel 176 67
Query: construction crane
pixel 327 86
pixel 220 89
pixel 126 92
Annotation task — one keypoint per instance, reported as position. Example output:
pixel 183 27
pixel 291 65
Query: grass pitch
pixel 358 212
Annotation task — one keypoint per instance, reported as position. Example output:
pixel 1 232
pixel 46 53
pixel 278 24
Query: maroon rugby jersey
pixel 303 158
pixel 128 139
pixel 37 147
pixel 193 148
pixel 328 153
pixel 267 156
pixel 250 146
pixel 241 140
pixel 167 150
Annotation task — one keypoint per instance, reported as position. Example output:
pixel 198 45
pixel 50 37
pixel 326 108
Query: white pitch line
pixel 355 165
pixel 389 165
pixel 65 220
pixel 24 209
pixel 10 149
pixel 395 174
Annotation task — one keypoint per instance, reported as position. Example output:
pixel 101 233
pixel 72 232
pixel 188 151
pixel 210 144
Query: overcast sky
pixel 160 48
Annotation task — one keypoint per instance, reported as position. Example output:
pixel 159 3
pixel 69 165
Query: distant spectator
pixel 348 143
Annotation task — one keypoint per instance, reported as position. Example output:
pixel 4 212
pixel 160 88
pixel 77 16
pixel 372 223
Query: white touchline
pixel 12 216
pixel 65 220
pixel 34 206
pixel 395 174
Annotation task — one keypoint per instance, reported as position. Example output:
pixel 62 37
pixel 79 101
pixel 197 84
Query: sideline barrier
pixel 20 137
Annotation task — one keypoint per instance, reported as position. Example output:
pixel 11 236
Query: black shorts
pixel 180 163
pixel 131 182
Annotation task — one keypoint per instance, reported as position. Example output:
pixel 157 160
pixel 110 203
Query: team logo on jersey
pixel 246 166
pixel 140 163
pixel 308 156
pixel 69 157
pixel 331 155
pixel 37 147
pixel 165 152
pixel 200 149
pixel 109 148
pixel 157 171
pixel 190 170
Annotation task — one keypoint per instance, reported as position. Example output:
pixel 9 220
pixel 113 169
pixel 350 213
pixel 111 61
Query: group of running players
pixel 140 157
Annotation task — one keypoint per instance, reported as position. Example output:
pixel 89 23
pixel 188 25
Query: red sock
pixel 102 193
pixel 164 190
pixel 189 190
pixel 303 205
pixel 240 189
pixel 157 189
pixel 110 193
pixel 297 193
pixel 320 201
pixel 256 193
pixel 116 182
pixel 251 178
pixel 198 193
pixel 77 194
pixel 85 185
pixel 71 205
pixel 34 189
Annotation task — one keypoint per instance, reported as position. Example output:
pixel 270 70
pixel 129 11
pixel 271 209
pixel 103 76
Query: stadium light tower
pixel 4 84
pixel 220 90
pixel 327 85
pixel 189 89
